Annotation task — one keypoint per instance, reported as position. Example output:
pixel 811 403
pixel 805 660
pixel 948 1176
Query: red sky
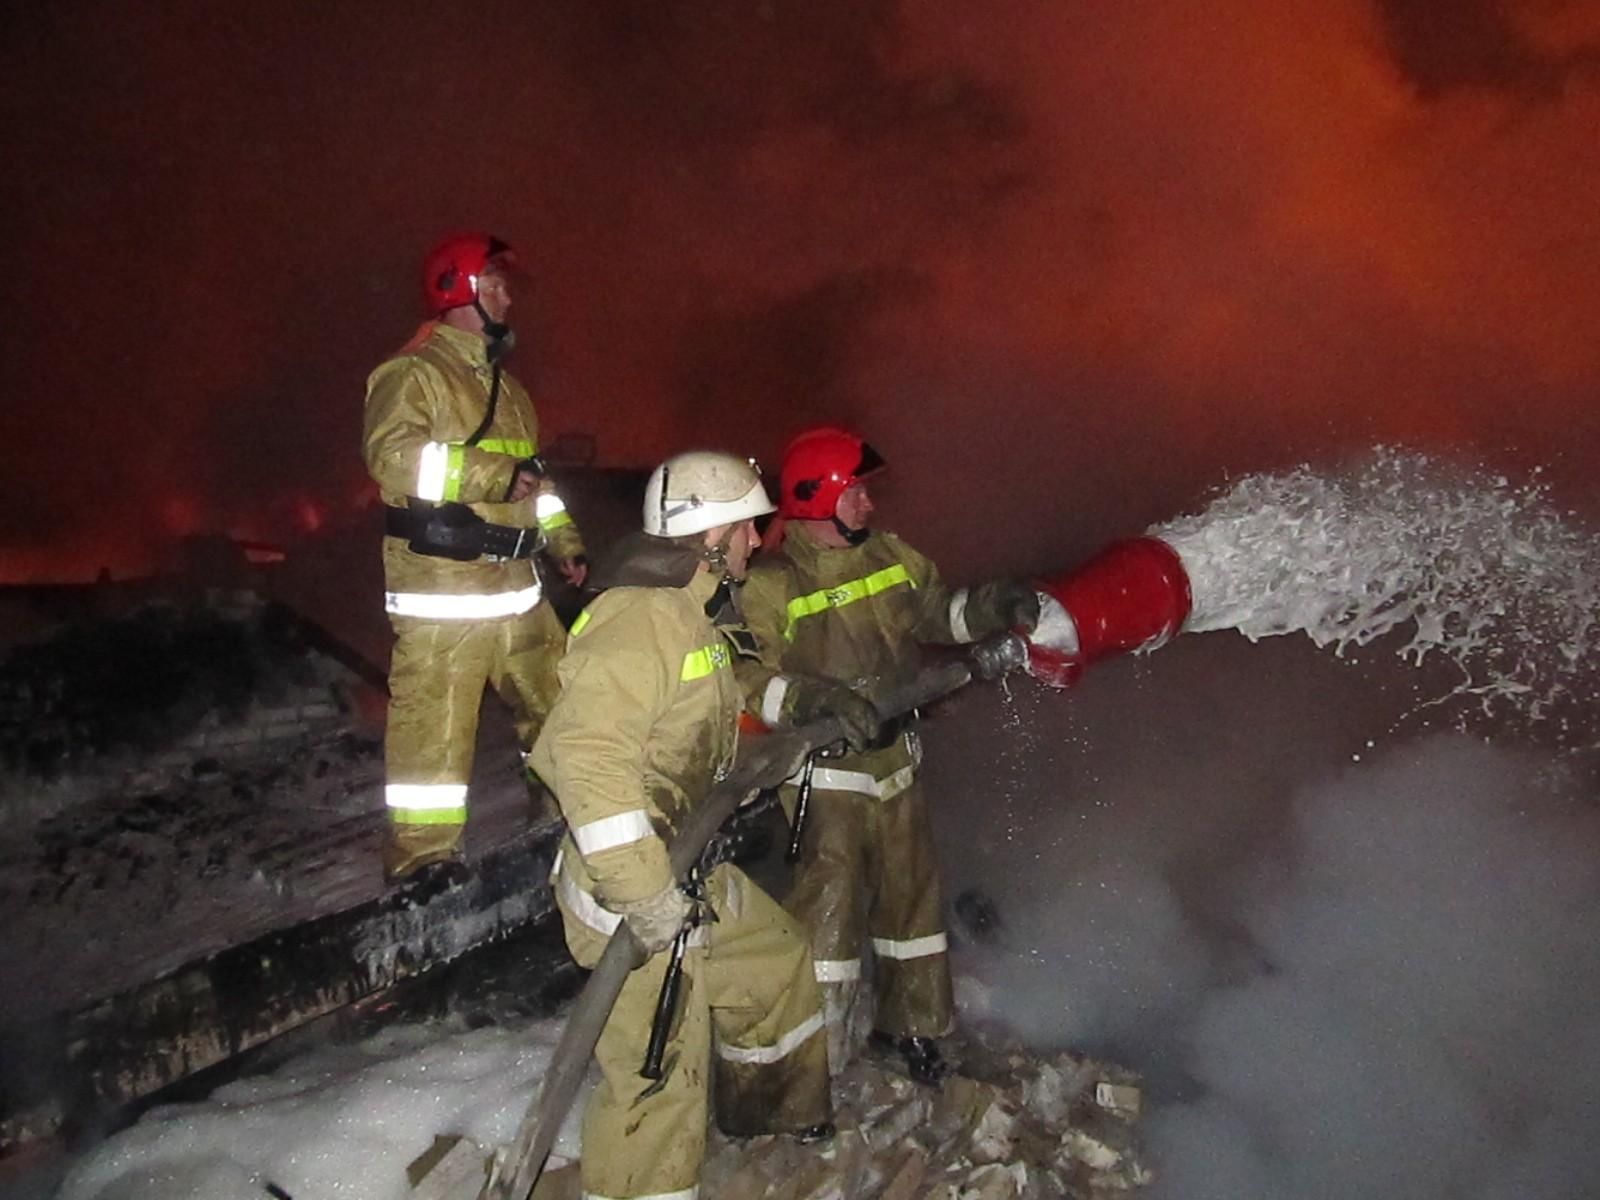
pixel 1068 264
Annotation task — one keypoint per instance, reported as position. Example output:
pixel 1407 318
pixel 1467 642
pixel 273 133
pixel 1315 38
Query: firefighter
pixel 839 610
pixel 645 725
pixel 452 441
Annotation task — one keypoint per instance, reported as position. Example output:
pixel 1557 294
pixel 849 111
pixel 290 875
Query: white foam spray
pixel 1481 571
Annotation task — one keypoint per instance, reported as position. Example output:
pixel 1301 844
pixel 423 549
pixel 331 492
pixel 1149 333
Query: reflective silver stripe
pixel 934 943
pixel 772 699
pixel 610 832
pixel 586 908
pixel 836 970
pixel 782 1048
pixel 444 607
pixel 836 779
pixel 690 1193
pixel 425 795
pixel 958 616
pixel 548 504
pixel 432 468
pixel 601 919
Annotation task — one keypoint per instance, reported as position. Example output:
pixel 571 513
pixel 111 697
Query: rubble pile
pixel 144 702
pixel 1009 1126
pixel 165 778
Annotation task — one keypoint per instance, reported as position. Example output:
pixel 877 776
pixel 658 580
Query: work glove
pixel 655 920
pixel 1000 605
pixel 811 698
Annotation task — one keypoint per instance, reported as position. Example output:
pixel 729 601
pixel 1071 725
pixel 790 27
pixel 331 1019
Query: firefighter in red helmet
pixel 452 440
pixel 840 610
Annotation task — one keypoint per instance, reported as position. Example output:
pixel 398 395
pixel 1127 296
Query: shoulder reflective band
pixel 579 624
pixel 697 664
pixel 844 593
pixel 550 511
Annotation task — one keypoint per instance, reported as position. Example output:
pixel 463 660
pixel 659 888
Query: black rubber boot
pixel 924 1063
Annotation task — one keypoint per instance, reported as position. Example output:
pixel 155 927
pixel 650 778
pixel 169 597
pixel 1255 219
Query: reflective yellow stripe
pixel 555 522
pixel 579 624
pixel 697 664
pixel 517 447
pixel 456 458
pixel 844 593
pixel 454 467
pixel 428 816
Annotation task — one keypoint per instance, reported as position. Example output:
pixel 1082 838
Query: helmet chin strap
pixel 716 554
pixel 501 336
pixel 852 537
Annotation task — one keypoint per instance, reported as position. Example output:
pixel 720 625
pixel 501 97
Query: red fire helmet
pixel 451 269
pixel 817 467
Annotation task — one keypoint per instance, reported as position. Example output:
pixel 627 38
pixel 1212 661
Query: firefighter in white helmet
pixel 452 441
pixel 646 723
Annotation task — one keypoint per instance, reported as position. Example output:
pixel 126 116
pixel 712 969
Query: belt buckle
pixel 514 554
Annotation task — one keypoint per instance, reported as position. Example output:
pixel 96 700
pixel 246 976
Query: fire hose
pixel 766 762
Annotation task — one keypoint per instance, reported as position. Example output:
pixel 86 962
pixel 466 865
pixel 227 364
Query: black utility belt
pixel 451 530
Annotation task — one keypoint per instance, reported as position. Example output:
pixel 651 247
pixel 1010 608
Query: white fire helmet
pixel 701 489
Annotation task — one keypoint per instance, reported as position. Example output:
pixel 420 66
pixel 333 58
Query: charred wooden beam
pixel 131 1044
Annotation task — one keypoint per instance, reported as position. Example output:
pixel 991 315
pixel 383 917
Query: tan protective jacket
pixel 645 725
pixel 853 614
pixel 422 405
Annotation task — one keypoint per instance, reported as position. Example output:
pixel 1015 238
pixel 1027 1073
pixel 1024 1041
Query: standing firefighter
pixel 839 611
pixel 452 440
pixel 645 725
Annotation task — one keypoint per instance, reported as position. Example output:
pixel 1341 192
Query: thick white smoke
pixel 1420 1022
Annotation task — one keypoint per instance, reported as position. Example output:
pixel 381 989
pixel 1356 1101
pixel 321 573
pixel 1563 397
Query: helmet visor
pixel 871 461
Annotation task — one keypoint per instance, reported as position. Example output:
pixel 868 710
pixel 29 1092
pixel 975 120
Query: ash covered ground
pixel 186 778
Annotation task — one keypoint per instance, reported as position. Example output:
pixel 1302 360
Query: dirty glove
pixel 656 919
pixel 813 699
pixel 1001 605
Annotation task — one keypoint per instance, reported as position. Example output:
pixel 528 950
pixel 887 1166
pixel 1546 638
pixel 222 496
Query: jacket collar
pixel 459 342
pixel 802 546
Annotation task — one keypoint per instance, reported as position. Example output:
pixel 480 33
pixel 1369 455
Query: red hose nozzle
pixel 1133 595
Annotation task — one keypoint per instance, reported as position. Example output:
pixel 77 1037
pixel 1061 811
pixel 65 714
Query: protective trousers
pixel 867 869
pixel 437 675
pixel 749 991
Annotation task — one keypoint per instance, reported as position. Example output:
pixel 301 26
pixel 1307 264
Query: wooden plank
pixel 146 1037
pixel 459 1175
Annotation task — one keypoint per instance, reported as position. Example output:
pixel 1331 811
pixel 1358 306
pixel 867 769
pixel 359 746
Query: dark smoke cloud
pixel 1220 240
